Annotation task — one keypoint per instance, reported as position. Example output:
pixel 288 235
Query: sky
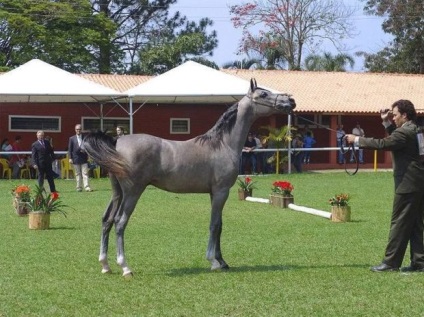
pixel 370 36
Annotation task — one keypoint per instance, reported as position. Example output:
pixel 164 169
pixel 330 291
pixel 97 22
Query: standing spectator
pixel 6 147
pixel 41 159
pixel 119 132
pixel 308 142
pixel 17 161
pixel 55 164
pixel 297 156
pixel 248 154
pixel 307 129
pixel 358 131
pixel 408 203
pixel 340 133
pixel 79 159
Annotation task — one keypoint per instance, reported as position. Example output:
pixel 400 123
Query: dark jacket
pixel 75 152
pixel 408 170
pixel 42 156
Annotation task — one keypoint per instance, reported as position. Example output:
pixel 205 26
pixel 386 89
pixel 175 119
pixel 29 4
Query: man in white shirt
pixel 358 131
pixel 79 159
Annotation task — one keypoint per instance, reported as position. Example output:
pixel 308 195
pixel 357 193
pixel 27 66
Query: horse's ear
pixel 253 84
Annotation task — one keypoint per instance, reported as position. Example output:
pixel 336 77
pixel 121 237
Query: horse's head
pixel 281 102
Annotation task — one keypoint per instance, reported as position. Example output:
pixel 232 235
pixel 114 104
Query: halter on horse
pixel 205 164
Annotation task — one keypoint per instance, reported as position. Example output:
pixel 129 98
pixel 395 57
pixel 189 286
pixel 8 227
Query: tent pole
pixel 101 117
pixel 131 116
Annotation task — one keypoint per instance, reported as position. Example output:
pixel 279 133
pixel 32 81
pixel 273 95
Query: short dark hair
pixel 406 106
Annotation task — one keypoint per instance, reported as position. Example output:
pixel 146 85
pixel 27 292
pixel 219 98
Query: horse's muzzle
pixel 285 103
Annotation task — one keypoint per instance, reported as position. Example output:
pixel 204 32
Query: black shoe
pixel 412 268
pixel 383 267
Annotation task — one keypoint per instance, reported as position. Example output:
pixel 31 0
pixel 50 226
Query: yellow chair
pixel 7 171
pixel 65 168
pixel 25 171
pixel 96 172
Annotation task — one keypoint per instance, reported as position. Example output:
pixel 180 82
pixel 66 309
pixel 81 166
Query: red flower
pixel 282 187
pixel 54 196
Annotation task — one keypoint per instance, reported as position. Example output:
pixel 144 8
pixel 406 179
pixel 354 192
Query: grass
pixel 283 262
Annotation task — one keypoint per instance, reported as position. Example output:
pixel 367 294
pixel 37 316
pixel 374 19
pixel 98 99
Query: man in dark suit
pixel 42 158
pixel 408 204
pixel 79 159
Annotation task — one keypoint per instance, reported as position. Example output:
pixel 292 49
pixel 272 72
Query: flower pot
pixel 340 213
pixel 39 220
pixel 242 194
pixel 280 200
pixel 21 208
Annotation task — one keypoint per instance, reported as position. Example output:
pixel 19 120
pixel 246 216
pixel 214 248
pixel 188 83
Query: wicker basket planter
pixel 281 201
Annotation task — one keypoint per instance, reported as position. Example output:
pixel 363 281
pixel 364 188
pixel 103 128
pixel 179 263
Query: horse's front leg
pixel 213 253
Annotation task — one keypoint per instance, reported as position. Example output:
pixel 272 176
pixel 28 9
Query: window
pixel 180 126
pixel 109 124
pixel 34 123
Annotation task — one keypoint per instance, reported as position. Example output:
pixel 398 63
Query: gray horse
pixel 208 163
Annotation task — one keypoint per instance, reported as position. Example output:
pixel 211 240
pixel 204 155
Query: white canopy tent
pixel 190 82
pixel 39 82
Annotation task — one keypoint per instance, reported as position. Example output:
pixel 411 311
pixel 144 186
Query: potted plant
pixel 246 186
pixel 41 205
pixel 340 209
pixel 281 195
pixel 21 196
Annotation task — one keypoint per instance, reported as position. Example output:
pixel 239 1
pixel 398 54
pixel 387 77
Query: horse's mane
pixel 224 125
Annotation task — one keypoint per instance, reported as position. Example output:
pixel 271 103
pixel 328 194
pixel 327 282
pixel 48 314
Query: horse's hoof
pixel 106 271
pixel 216 266
pixel 128 275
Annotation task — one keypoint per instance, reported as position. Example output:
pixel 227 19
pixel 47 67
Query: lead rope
pixel 353 155
pixel 350 147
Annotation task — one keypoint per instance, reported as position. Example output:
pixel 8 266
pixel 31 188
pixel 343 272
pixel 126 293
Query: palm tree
pixel 243 64
pixel 279 138
pixel 328 62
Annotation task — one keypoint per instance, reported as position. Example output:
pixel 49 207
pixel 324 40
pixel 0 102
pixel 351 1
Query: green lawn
pixel 282 262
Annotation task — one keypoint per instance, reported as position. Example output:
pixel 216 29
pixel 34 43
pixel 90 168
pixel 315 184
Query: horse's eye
pixel 263 94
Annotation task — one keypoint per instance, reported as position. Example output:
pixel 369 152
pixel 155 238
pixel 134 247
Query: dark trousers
pixel 251 158
pixel 46 172
pixel 297 159
pixel 406 226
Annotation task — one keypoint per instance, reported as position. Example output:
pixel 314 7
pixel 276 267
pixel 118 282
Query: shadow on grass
pixel 62 228
pixel 263 268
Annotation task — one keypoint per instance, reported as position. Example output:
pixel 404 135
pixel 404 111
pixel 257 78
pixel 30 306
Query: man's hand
pixel 350 138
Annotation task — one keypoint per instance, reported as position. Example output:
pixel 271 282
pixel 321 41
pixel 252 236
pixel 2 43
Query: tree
pixel 290 25
pixel 328 62
pixel 106 36
pixel 151 40
pixel 243 64
pixel 59 32
pixel 404 21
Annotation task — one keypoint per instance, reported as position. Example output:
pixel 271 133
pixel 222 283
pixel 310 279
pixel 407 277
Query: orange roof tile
pixel 332 92
pixel 120 83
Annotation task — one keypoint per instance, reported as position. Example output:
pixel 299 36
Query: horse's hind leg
pixel 126 209
pixel 213 253
pixel 107 223
pixel 104 241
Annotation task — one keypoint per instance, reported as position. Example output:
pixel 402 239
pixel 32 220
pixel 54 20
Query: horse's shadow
pixel 261 268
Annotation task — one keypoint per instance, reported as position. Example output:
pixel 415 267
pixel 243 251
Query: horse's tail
pixel 101 148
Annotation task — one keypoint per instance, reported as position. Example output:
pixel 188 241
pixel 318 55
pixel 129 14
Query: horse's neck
pixel 245 118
